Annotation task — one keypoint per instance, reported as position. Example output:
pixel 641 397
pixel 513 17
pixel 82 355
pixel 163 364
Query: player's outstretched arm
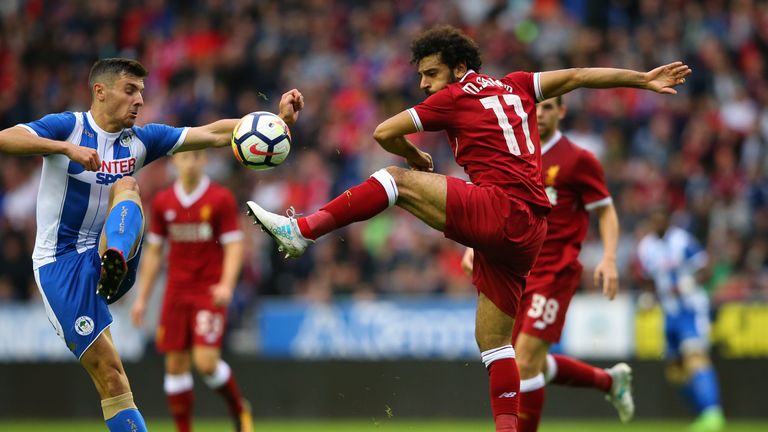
pixel 147 275
pixel 606 271
pixel 390 135
pixel 219 133
pixel 216 134
pixel 19 141
pixel 663 79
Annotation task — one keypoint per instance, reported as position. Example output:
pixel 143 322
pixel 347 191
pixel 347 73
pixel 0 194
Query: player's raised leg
pixel 103 364
pixel 178 385
pixel 219 377
pixel 121 236
pixel 615 382
pixel 493 330
pixel 421 193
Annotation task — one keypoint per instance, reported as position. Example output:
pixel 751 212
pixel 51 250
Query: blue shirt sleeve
pixel 692 249
pixel 54 126
pixel 695 255
pixel 159 139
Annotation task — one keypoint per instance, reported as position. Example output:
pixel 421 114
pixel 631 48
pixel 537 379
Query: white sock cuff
pixel 388 182
pixel 499 353
pixel 551 369
pixel 532 384
pixel 175 384
pixel 220 375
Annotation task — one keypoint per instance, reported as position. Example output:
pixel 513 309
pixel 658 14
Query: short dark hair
pixel 453 46
pixel 115 66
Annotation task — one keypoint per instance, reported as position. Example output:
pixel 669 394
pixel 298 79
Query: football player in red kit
pixel 575 185
pixel 491 127
pixel 199 221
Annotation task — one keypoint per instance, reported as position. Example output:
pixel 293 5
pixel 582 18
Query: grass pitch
pixel 384 425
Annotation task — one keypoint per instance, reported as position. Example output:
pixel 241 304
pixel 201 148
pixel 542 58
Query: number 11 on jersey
pixel 494 103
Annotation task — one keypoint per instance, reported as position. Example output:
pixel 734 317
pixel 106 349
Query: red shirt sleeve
pixel 527 82
pixel 227 224
pixel 590 182
pixel 157 224
pixel 435 113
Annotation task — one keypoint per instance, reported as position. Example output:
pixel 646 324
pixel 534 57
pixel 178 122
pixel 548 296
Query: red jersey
pixel 575 184
pixel 492 130
pixel 196 225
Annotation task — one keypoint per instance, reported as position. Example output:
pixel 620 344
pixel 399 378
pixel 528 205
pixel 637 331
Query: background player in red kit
pixel 575 185
pixel 199 219
pixel 491 127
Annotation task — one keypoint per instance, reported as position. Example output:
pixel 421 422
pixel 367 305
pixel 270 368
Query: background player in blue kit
pixel 89 216
pixel 676 263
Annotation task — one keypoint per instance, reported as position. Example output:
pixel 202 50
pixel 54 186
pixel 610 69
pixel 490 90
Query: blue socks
pixel 129 420
pixel 123 227
pixel 703 390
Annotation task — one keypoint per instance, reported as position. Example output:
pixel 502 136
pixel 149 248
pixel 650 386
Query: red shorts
pixel 190 322
pixel 505 233
pixel 545 303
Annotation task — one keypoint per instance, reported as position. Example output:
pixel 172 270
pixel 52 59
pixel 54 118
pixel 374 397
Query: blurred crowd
pixel 704 151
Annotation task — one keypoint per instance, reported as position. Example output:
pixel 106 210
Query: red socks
pixel 178 392
pixel 531 403
pixel 223 381
pixel 357 203
pixel 181 410
pixel 574 373
pixel 504 383
pixel 231 393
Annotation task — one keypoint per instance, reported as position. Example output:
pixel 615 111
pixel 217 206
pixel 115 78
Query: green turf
pixel 387 425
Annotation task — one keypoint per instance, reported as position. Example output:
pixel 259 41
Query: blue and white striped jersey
pixel 672 262
pixel 72 202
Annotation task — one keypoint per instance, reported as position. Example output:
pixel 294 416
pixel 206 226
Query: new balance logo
pixel 508 395
pixel 282 231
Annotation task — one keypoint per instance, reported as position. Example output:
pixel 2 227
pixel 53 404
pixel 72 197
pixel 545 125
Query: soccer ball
pixel 261 140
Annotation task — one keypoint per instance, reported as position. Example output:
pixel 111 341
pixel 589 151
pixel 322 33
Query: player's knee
pixel 177 364
pixel 126 186
pixel 110 378
pixel 675 374
pixel 127 183
pixel 206 366
pixel 397 173
pixel 694 361
pixel 486 341
pixel 529 365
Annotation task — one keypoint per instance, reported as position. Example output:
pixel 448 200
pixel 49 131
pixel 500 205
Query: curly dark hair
pixel 452 44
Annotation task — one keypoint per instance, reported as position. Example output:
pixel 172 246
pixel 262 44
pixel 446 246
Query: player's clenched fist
pixel 85 156
pixel 421 161
pixel 291 103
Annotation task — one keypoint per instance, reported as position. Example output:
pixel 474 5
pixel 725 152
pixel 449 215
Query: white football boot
pixel 620 394
pixel 283 229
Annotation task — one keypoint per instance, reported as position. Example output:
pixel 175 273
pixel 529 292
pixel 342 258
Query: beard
pixel 452 78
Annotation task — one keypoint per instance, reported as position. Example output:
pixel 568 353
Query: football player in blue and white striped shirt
pixel 89 216
pixel 673 259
